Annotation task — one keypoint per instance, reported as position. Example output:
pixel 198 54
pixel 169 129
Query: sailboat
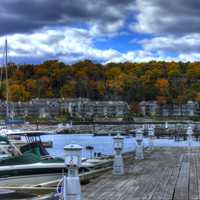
pixel 31 158
pixel 9 112
pixel 4 129
pixel 12 159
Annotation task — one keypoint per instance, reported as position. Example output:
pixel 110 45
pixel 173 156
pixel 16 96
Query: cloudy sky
pixel 100 30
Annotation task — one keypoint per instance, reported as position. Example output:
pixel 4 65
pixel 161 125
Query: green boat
pixel 31 158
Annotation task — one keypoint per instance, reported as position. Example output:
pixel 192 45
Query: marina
pixel 171 174
pixel 165 173
pixel 96 160
pixel 151 162
pixel 99 100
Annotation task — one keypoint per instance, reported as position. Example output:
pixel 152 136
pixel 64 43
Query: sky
pixel 100 30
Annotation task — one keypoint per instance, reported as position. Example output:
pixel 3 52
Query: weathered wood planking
pixel 193 185
pixel 181 188
pixel 198 173
pixel 165 174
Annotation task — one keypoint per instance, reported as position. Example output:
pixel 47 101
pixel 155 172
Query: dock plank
pixel 164 174
pixel 182 185
pixel 193 185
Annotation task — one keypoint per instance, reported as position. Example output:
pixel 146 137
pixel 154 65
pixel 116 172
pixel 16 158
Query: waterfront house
pixel 77 107
pixel 88 108
pixel 148 108
pixel 105 108
pixel 152 108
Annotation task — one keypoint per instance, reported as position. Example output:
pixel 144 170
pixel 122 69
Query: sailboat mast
pixel 6 70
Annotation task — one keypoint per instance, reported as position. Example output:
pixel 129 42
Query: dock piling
pixel 151 133
pixel 189 134
pixel 118 164
pixel 139 144
pixel 72 187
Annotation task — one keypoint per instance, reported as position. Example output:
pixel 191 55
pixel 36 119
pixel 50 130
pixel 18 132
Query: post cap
pixel 118 136
pixel 139 131
pixel 74 147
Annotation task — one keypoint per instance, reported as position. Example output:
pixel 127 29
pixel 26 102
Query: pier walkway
pixel 165 174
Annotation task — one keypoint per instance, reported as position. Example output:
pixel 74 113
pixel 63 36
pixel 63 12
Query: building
pixel 152 108
pixel 179 110
pixel 148 108
pixel 100 109
pixel 77 107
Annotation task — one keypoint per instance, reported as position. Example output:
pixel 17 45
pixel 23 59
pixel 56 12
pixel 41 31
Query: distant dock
pixel 112 128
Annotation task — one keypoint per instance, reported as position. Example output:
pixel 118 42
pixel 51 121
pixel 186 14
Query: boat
pixel 31 158
pixel 6 149
pixel 62 128
pixel 10 114
pixel 28 158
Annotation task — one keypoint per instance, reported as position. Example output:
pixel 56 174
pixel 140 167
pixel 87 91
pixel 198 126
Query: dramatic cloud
pixel 186 44
pixel 72 30
pixel 68 44
pixel 19 16
pixel 74 44
pixel 160 16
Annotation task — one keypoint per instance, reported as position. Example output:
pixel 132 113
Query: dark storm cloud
pixel 165 16
pixel 27 15
pixel 174 24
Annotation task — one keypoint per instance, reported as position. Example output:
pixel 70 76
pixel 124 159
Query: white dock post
pixel 139 145
pixel 151 133
pixel 118 163
pixel 189 134
pixel 166 125
pixel 72 187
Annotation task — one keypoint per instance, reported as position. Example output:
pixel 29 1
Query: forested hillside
pixel 167 82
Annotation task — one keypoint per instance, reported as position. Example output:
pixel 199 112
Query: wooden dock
pixel 165 174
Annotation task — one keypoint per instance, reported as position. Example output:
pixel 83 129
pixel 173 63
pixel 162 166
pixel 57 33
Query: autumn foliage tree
pixel 18 93
pixel 163 88
pixel 166 82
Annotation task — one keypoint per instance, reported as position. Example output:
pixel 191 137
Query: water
pixel 103 144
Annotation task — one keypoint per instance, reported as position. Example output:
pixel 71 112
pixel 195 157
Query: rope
pixel 59 189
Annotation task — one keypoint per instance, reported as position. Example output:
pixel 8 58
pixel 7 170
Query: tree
pixel 43 87
pixel 162 85
pixel 198 97
pixel 18 93
pixel 162 100
pixel 173 70
pixel 167 82
pixel 31 87
pixel 193 71
pixel 41 70
pixel 68 90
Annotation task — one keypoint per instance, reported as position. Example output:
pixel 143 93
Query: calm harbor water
pixel 103 144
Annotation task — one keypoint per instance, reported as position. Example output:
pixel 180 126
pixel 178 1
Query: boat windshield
pixel 4 140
